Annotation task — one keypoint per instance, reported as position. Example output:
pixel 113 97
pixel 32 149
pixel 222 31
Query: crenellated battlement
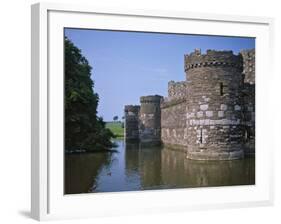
pixel 176 90
pixel 151 99
pixel 132 108
pixel 212 58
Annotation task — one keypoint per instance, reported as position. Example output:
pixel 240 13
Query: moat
pixel 135 168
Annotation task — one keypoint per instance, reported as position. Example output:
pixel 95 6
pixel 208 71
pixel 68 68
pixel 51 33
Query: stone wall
pixel 173 124
pixel 249 100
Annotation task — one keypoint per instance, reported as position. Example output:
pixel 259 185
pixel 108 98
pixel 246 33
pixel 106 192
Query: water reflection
pixel 191 173
pixel 135 167
pixel 81 171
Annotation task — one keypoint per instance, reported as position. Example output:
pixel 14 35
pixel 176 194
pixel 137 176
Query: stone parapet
pixel 151 99
pixel 173 102
pixel 132 108
pixel 213 58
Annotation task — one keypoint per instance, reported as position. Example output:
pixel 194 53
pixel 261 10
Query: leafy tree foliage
pixel 115 118
pixel 83 128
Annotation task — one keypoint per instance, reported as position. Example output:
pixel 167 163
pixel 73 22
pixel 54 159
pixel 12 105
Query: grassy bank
pixel 116 128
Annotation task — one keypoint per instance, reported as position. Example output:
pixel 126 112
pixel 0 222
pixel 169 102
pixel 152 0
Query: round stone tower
pixel 214 101
pixel 150 120
pixel 132 122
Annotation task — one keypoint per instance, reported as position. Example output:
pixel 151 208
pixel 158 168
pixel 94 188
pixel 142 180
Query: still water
pixel 135 168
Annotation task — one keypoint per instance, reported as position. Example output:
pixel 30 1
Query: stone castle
pixel 209 116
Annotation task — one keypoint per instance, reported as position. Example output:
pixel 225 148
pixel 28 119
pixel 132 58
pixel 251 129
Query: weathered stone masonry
pixel 249 100
pixel 143 123
pixel 214 105
pixel 173 116
pixel 210 115
pixel 132 122
pixel 150 120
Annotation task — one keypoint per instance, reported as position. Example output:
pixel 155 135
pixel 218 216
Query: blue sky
pixel 127 65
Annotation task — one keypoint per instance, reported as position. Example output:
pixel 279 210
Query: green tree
pixel 83 128
pixel 115 118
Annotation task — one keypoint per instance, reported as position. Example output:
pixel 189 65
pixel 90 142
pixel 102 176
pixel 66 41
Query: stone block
pixel 207 122
pixel 237 107
pixel 207 99
pixel 200 114
pixel 220 113
pixel 204 106
pixel 223 107
pixel 250 108
pixel 209 113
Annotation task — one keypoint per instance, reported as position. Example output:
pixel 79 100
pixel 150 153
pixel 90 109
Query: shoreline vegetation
pixel 117 128
pixel 84 130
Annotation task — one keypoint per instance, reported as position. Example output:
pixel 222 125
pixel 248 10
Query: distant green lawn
pixel 116 128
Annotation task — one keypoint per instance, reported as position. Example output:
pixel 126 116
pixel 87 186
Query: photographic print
pixel 151 111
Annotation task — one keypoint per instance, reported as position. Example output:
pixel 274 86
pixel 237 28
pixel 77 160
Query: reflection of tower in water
pixel 158 168
pixel 132 158
pixel 193 173
pixel 146 161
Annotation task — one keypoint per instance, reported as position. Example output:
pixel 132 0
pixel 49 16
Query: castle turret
pixel 150 120
pixel 249 99
pixel 132 122
pixel 214 105
pixel 249 65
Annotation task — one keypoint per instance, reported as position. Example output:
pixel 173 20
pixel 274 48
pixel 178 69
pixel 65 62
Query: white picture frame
pixel 48 201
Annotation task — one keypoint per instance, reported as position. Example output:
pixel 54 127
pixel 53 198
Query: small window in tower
pixel 201 136
pixel 247 134
pixel 221 89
